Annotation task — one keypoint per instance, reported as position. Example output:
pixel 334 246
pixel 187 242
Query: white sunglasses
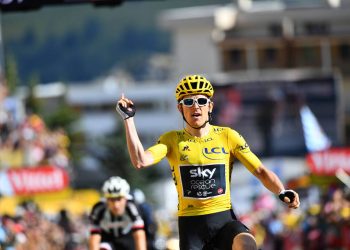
pixel 189 102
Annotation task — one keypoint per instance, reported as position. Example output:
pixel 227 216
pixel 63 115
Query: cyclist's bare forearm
pixel 269 179
pixel 140 240
pixel 94 242
pixel 139 157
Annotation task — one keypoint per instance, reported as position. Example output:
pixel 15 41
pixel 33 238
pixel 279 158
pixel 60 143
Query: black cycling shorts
pixel 211 231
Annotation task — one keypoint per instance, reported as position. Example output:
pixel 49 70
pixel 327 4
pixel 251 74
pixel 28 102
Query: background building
pixel 264 40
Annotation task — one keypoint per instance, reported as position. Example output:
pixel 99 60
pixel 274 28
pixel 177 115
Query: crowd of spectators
pixel 25 140
pixel 31 229
pixel 322 223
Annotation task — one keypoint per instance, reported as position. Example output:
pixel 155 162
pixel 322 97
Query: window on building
pixel 313 28
pixel 275 30
pixel 271 55
pixel 236 56
pixel 344 52
pixel 234 59
pixel 308 56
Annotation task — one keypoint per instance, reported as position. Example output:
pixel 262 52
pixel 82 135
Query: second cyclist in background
pixel 116 223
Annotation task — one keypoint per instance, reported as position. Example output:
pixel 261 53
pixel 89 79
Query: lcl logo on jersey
pixel 215 153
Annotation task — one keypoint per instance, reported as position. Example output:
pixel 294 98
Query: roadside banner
pixel 328 162
pixel 28 181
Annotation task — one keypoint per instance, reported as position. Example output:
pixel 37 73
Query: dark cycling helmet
pixel 193 85
pixel 116 187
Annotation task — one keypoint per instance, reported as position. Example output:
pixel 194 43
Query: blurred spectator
pixel 228 103
pixel 268 119
pixel 276 230
pixel 31 144
pixel 312 229
pixel 147 215
pixel 333 215
pixel 27 142
pixel 68 227
pixel 8 234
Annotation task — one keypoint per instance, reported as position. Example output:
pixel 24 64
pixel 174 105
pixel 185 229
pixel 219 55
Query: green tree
pixel 33 104
pixel 116 161
pixel 65 117
pixel 11 73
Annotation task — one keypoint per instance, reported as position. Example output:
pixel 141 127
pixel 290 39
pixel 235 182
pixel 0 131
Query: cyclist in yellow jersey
pixel 201 158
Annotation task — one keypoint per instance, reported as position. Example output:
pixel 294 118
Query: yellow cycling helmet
pixel 193 85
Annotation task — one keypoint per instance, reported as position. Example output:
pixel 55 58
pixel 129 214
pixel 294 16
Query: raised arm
pixel 139 157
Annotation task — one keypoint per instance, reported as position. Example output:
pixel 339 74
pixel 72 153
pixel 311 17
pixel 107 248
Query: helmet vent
pixel 201 84
pixel 194 85
pixel 186 85
pixel 114 190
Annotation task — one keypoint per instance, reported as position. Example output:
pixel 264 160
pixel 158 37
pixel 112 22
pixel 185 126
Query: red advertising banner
pixel 26 181
pixel 329 161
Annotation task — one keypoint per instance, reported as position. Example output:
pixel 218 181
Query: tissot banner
pixel 327 162
pixel 26 181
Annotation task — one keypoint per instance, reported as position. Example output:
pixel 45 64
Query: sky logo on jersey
pixel 203 181
pixel 205 173
pixel 215 153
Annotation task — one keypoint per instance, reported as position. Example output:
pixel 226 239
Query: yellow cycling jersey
pixel 202 166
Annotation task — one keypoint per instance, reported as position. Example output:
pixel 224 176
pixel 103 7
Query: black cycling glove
pixel 287 193
pixel 124 112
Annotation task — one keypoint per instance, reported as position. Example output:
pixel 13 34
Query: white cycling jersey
pixel 112 228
